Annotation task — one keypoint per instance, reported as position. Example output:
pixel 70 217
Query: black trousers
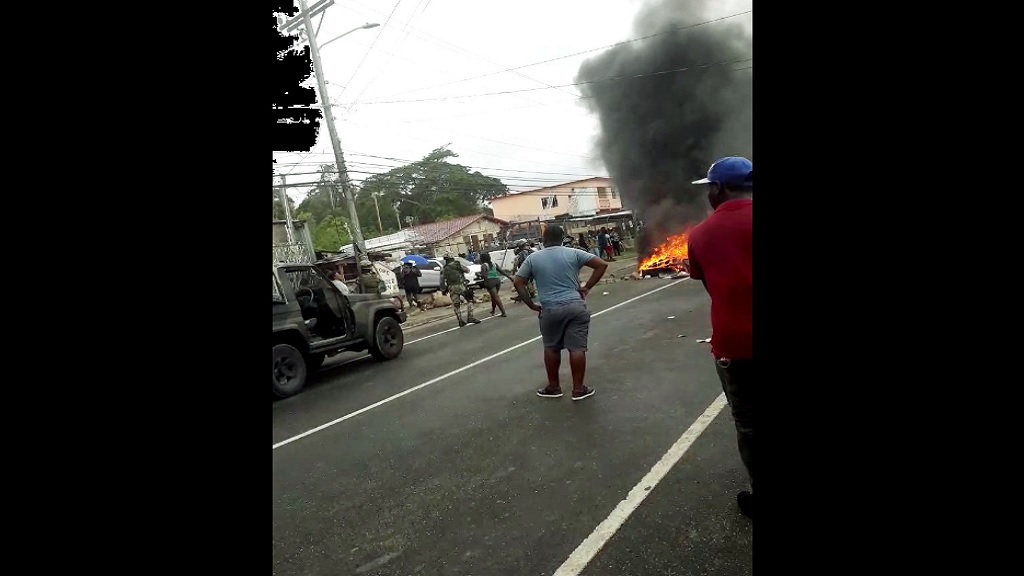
pixel 737 378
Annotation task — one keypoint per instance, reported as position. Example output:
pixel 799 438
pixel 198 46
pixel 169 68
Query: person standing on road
pixel 411 283
pixel 453 283
pixel 563 314
pixel 522 251
pixel 604 245
pixel 582 243
pixel 492 282
pixel 720 252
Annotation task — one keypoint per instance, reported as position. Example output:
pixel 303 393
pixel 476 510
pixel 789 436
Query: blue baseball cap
pixel 731 171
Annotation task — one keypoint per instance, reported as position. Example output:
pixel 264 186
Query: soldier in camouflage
pixel 453 283
pixel 371 283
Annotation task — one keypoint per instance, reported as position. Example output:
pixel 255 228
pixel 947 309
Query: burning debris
pixel 683 99
pixel 668 258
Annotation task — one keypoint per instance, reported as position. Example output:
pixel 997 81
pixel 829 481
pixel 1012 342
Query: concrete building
pixel 581 198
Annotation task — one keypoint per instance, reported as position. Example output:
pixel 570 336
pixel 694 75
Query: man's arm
pixel 524 295
pixel 598 265
pixel 522 277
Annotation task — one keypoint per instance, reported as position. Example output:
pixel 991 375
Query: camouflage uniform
pixel 531 286
pixel 371 283
pixel 455 284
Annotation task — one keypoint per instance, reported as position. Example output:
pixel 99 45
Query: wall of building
pixel 531 205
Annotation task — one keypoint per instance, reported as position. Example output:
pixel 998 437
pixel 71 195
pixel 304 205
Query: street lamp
pixel 366 26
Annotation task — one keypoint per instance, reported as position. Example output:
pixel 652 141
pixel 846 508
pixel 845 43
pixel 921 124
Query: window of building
pixel 549 202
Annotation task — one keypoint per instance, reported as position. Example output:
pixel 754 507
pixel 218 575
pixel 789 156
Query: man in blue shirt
pixel 563 314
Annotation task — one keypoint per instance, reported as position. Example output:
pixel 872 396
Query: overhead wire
pixel 370 49
pixel 585 82
pixel 471 53
pixel 670 31
pixel 394 51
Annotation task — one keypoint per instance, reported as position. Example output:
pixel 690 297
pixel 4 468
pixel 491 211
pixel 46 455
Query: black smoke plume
pixel 659 132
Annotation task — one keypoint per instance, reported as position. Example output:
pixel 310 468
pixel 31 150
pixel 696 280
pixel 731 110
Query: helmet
pixel 365 263
pixel 521 243
pixel 448 258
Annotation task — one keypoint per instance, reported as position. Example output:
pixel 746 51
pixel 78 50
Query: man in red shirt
pixel 721 256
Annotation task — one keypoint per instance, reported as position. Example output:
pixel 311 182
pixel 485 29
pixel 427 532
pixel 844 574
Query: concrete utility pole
pixel 339 157
pixel 377 207
pixel 288 226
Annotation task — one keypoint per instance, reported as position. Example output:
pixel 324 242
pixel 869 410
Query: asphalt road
pixel 473 474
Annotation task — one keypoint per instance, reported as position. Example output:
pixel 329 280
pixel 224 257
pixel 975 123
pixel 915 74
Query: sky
pixel 427 49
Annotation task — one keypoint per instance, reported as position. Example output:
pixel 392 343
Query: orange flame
pixel 672 254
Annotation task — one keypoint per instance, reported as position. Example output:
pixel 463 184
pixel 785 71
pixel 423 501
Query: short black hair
pixel 553 234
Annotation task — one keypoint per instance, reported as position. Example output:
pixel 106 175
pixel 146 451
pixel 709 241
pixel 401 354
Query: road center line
pixel 452 373
pixel 586 551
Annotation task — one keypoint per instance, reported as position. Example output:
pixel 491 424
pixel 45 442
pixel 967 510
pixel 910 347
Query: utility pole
pixel 339 157
pixel 377 207
pixel 288 226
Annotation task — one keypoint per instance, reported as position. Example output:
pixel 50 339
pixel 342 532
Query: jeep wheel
pixel 388 339
pixel 289 370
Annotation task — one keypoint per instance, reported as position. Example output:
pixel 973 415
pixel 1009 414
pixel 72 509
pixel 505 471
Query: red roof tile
pixel 437 231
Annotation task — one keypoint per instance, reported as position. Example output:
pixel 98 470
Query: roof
pixel 421 235
pixel 558 187
pixel 437 231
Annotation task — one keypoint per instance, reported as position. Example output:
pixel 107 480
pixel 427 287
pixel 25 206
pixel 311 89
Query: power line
pixel 687 27
pixel 473 54
pixel 390 166
pixel 393 52
pixel 406 161
pixel 608 79
pixel 416 178
pixel 538 192
pixel 360 165
pixel 519 160
pixel 370 49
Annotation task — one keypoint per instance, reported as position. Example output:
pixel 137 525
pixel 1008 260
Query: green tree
pixel 278 208
pixel 329 233
pixel 429 190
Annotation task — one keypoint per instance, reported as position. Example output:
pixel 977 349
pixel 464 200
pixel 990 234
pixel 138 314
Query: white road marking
pixel 586 551
pixel 449 374
pixel 365 356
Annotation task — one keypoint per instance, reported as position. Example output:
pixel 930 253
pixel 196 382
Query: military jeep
pixel 314 320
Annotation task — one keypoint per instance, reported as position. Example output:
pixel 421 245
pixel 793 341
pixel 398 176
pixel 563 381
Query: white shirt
pixel 342 286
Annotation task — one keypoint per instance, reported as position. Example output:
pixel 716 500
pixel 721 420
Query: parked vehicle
pixel 430 274
pixel 314 320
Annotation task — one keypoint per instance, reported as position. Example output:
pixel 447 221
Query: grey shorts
pixel 565 326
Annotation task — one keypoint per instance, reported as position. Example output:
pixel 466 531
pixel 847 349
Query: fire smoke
pixel 662 131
